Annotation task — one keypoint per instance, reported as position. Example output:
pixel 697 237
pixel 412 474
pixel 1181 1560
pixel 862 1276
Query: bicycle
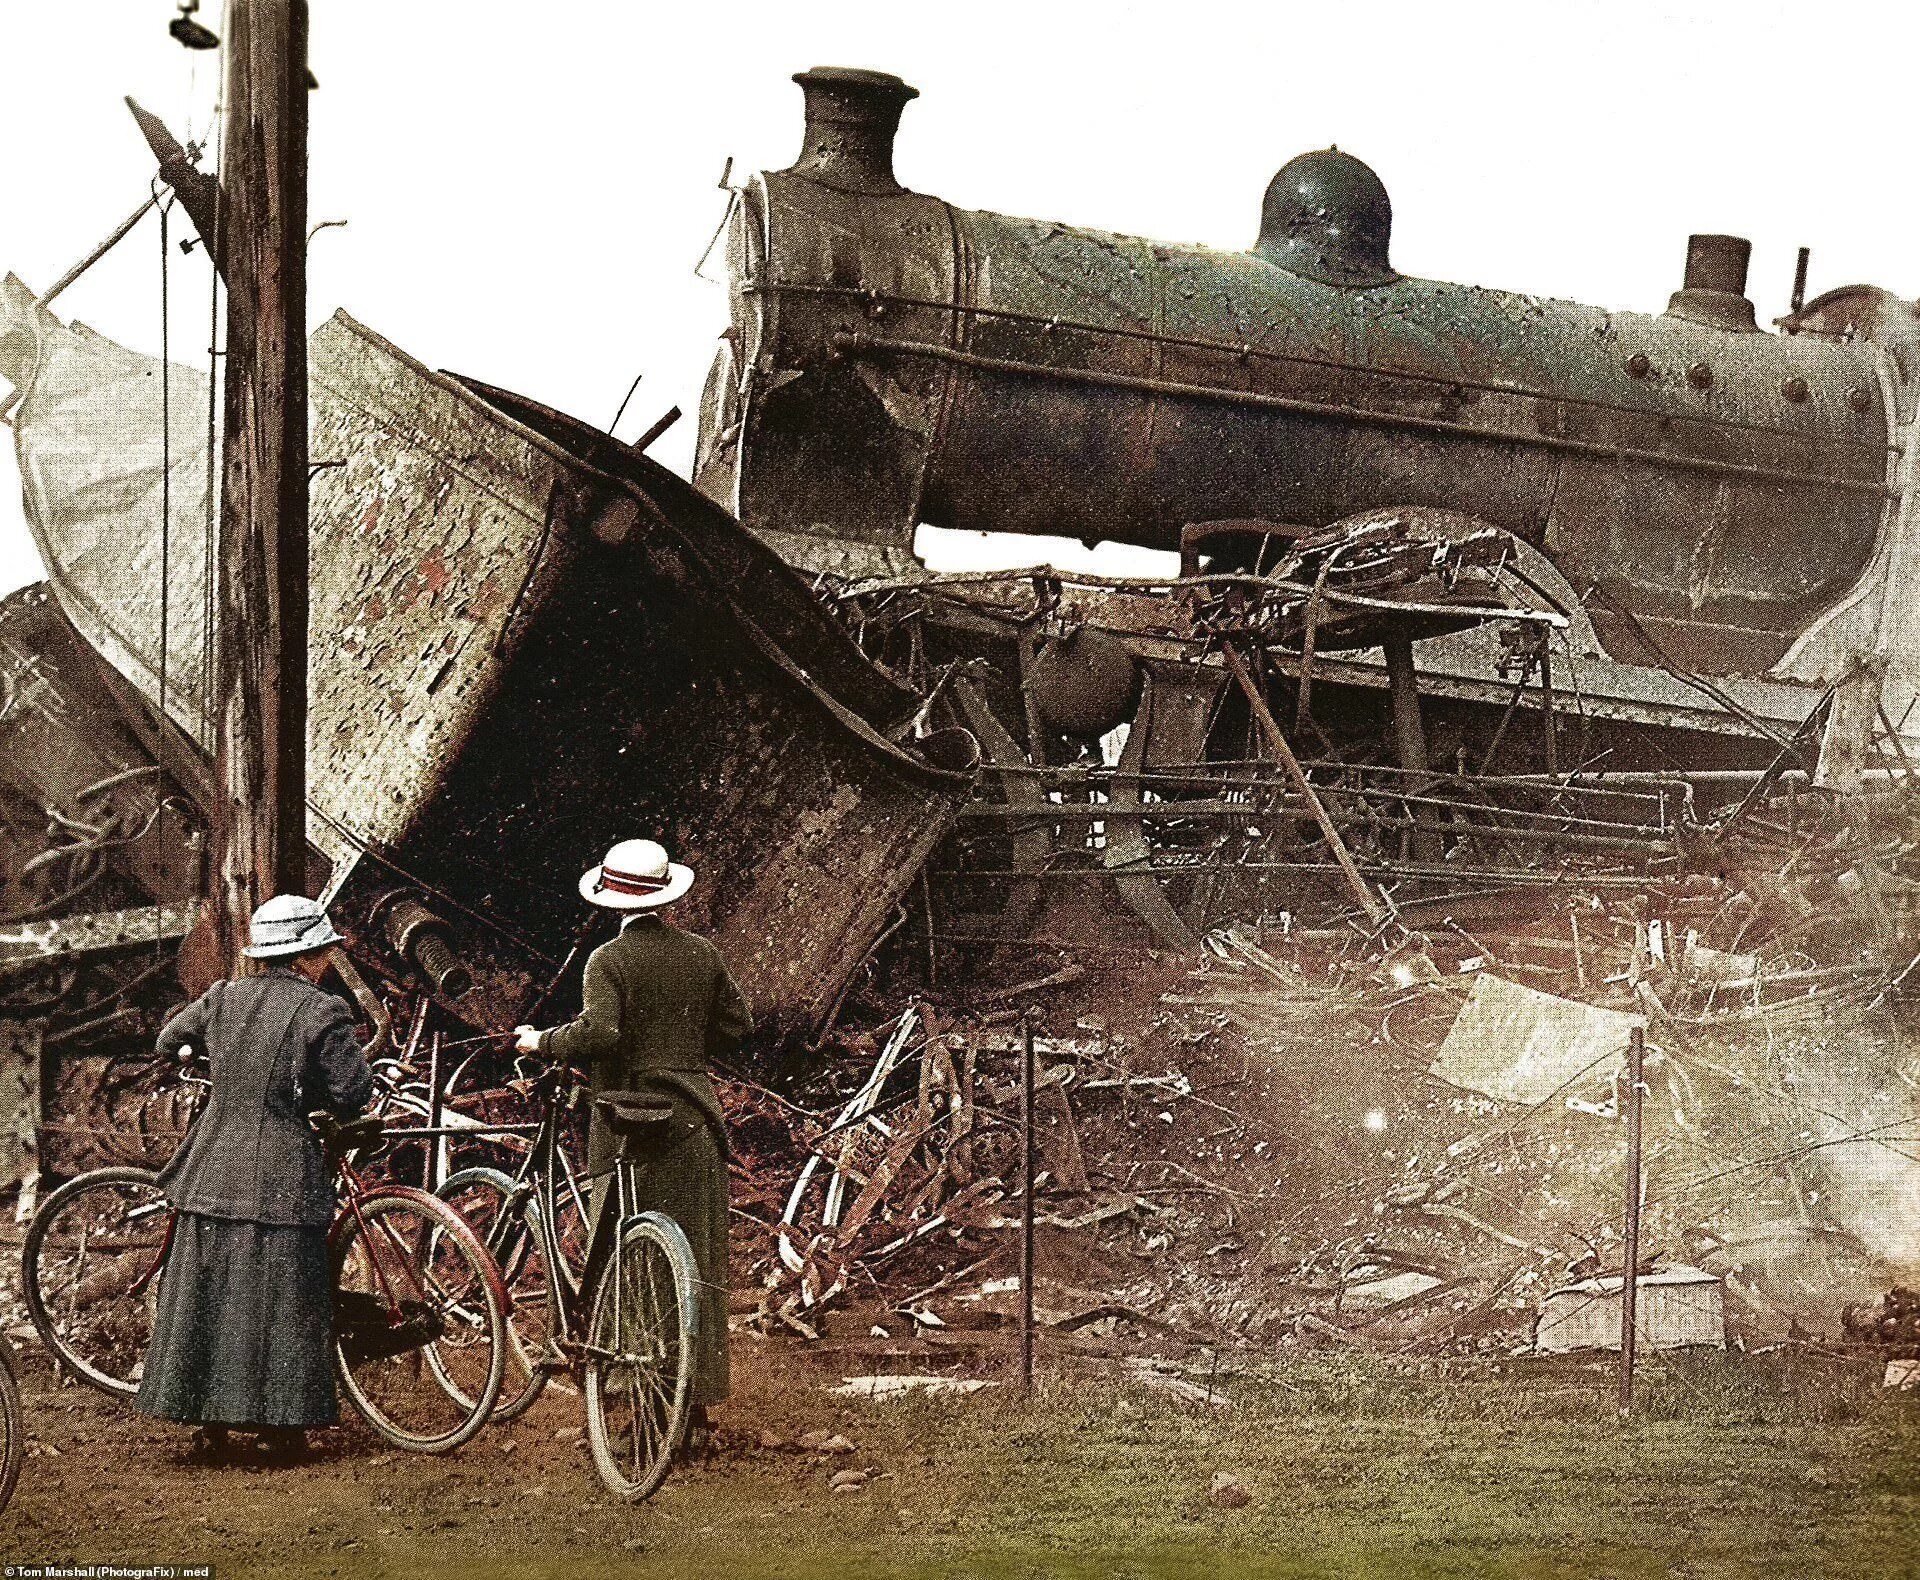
pixel 420 1341
pixel 624 1315
pixel 13 1424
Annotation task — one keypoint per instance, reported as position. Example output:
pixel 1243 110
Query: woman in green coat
pixel 658 1008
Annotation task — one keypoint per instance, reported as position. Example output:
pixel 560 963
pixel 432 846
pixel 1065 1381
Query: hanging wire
pixel 164 204
pixel 209 562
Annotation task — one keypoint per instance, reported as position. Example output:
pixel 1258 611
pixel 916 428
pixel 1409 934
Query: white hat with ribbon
pixel 636 876
pixel 288 924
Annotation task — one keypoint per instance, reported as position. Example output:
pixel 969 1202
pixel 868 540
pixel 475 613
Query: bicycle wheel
pixel 13 1425
pixel 639 1367
pixel 515 1237
pixel 420 1341
pixel 90 1270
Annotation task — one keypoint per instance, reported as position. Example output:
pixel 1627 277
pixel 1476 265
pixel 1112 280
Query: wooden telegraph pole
pixel 260 664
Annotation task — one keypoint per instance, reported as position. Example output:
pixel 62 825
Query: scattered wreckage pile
pixel 1408 1136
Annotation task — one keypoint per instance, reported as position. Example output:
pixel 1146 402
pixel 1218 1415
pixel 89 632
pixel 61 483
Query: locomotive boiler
pixel 1700 484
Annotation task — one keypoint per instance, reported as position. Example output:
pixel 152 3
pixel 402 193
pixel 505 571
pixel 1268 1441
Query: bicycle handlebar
pixel 536 1077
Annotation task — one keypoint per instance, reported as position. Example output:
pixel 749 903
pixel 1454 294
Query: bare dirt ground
pixel 1350 1466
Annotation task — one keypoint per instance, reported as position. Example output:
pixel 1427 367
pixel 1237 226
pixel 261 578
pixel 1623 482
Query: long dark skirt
pixel 685 1177
pixel 243 1335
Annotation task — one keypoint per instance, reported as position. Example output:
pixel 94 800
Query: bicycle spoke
pixel 423 1349
pixel 509 1216
pixel 90 1268
pixel 640 1375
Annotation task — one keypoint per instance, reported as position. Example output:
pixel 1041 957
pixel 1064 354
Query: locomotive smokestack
pixel 1718 263
pixel 1714 289
pixel 852 116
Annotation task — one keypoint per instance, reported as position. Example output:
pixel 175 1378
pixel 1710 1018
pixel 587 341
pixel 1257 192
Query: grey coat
pixel 280 1048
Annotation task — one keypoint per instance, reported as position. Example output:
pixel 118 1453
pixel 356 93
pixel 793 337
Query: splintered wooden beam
pixel 1270 728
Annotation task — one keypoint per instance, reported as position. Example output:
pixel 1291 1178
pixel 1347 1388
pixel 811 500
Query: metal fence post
pixel 1027 1172
pixel 1630 1276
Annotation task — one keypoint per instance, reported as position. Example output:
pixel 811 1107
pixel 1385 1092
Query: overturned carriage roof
pixel 519 655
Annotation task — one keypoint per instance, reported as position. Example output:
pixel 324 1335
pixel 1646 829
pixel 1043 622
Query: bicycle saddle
pixel 635 1115
pixel 343 1137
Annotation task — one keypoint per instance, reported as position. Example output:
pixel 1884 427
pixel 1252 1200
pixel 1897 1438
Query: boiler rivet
pixel 1859 398
pixel 1639 364
pixel 1795 389
pixel 1700 376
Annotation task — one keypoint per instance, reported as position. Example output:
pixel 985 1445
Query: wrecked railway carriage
pixel 527 654
pixel 1477 593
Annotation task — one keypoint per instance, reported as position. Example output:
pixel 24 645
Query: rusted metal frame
pixel 1369 799
pixel 1113 779
pixel 34 945
pixel 1409 732
pixel 1506 834
pixel 1145 587
pixel 1127 850
pixel 1482 688
pixel 1899 747
pixel 1303 703
pixel 1793 748
pixel 910 728
pixel 1031 847
pixel 1374 805
pixel 1247 353
pixel 1513 703
pixel 859 344
pixel 1440 872
pixel 1027 647
pixel 1377 821
pixel 1548 719
pixel 1270 727
pixel 1510 840
pixel 1627 786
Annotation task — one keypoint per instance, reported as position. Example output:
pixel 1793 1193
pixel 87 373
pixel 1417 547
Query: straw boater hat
pixel 636 876
pixel 288 924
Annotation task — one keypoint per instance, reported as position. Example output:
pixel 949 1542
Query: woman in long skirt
pixel 658 1006
pixel 243 1336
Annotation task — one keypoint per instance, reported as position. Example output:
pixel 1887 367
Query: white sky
pixel 529 186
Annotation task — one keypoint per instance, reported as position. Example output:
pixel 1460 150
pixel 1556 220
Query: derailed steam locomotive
pixel 1708 522
pixel 894 360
